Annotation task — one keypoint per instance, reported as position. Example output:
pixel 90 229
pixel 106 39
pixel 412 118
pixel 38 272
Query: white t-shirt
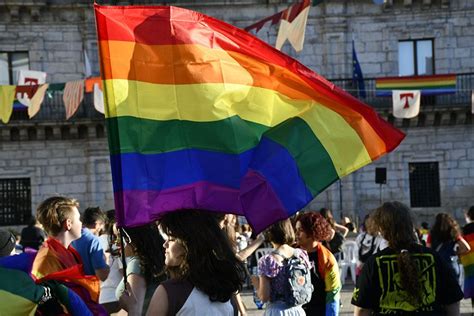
pixel 107 287
pixel 199 303
pixel 364 243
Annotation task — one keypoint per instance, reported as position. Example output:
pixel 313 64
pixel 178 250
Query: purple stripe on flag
pixel 263 207
pixel 143 206
pixel 469 287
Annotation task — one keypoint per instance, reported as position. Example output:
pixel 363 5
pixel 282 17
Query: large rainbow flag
pixel 429 85
pixel 201 114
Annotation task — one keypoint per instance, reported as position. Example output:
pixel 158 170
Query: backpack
pixel 299 287
pixel 447 252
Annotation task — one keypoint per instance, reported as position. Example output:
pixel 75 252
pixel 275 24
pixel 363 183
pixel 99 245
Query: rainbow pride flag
pixel 467 261
pixel 429 85
pixel 20 295
pixel 201 114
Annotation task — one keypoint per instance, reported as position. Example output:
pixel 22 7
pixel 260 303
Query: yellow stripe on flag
pixel 343 144
pixel 467 259
pixel 200 102
pixel 15 305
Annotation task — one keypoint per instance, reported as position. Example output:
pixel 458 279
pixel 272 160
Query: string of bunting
pixel 30 96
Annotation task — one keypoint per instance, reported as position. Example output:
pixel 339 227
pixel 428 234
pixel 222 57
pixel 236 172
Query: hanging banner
pixel 98 99
pixel 36 100
pixel 29 78
pixel 406 104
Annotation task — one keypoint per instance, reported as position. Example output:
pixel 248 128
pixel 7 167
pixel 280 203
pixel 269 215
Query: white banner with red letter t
pixel 29 78
pixel 406 104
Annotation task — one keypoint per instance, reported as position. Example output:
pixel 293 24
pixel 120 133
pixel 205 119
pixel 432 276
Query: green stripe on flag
pixel 20 284
pixel 231 135
pixel 314 163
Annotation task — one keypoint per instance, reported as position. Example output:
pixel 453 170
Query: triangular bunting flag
pixel 90 82
pixel 472 102
pixel 36 100
pixel 98 99
pixel 29 78
pixel 73 95
pixel 293 26
pixel 7 96
pixel 87 66
pixel 406 104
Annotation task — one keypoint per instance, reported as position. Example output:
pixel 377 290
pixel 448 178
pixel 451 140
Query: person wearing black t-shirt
pixel 405 278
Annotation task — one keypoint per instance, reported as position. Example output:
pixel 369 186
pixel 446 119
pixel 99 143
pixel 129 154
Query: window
pixel 10 64
pixel 15 201
pixel 415 57
pixel 424 184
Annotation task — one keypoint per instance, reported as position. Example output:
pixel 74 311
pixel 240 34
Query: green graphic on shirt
pixel 394 297
pixel 355 294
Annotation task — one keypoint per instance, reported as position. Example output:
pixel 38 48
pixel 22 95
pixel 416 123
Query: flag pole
pixel 340 199
pixel 124 262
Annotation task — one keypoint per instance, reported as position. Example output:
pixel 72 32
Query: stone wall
pixel 56 35
pixel 68 163
pixel 451 146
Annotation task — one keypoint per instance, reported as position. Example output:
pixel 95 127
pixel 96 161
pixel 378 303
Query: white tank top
pixel 198 304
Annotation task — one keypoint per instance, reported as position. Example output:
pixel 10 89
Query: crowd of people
pixel 194 262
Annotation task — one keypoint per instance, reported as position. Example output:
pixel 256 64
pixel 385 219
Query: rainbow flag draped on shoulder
pixel 201 114
pixel 21 294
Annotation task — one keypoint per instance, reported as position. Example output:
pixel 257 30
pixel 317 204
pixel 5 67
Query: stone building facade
pixel 71 157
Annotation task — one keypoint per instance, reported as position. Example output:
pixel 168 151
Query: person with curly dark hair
pixel 406 277
pixel 445 237
pixel 146 261
pixel 311 229
pixel 203 269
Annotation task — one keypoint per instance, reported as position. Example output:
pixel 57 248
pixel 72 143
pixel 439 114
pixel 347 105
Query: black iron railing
pixel 53 108
pixel 461 98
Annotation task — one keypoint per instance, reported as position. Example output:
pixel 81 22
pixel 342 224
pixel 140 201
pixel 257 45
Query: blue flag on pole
pixel 357 78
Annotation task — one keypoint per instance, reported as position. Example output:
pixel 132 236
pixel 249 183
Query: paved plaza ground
pixel 347 308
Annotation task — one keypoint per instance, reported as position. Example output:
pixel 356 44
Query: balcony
pixel 460 99
pixel 53 109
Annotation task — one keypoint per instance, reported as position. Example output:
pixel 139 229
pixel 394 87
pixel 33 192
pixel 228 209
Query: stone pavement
pixel 347 308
